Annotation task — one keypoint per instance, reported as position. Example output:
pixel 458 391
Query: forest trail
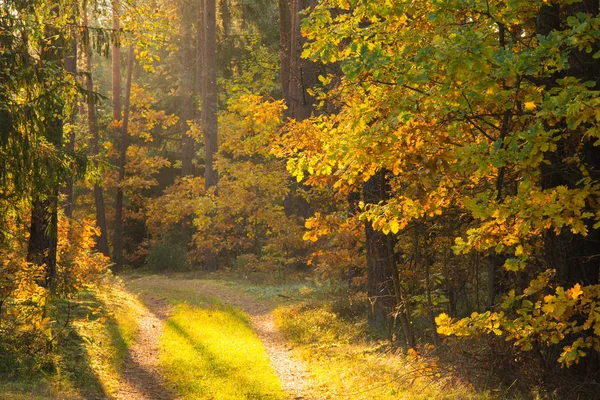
pixel 140 379
pixel 291 372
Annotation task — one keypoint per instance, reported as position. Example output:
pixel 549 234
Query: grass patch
pixel 89 350
pixel 346 364
pixel 209 350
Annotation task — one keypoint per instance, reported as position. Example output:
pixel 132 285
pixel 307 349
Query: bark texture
pixel 118 239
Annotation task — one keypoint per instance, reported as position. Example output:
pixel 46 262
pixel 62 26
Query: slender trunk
pixel 117 257
pixel 200 32
pixel 402 310
pixel 118 239
pixel 209 104
pixel 284 52
pixel 43 236
pixel 116 63
pixel 430 307
pixel 186 89
pixel 303 73
pixel 94 147
pixel 227 45
pixel 71 68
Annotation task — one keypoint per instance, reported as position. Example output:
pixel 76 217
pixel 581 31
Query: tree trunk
pixel 209 104
pixel 186 89
pixel 43 236
pixel 227 46
pixel 380 289
pixel 116 63
pixel 71 68
pixel 303 73
pixel 209 101
pixel 43 230
pixel 285 30
pixel 574 257
pixel 94 143
pixel 118 239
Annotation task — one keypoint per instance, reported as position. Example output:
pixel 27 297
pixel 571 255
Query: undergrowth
pixel 90 341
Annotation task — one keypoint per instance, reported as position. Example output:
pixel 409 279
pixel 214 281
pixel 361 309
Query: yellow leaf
pixel 394 226
pixel 575 291
pixel 529 105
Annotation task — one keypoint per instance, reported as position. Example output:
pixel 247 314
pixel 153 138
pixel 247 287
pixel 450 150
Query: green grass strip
pixel 211 352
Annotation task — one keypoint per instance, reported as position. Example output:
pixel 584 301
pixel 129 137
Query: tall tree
pixel 94 143
pixel 186 86
pixel 118 239
pixel 285 31
pixel 117 256
pixel 71 68
pixel 43 231
pixel 116 62
pixel 209 104
pixel 209 98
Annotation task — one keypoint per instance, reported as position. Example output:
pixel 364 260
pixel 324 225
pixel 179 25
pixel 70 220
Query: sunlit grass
pixel 345 364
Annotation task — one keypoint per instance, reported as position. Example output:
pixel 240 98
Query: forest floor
pixel 228 336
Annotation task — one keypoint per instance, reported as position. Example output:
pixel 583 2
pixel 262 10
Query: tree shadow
pixel 72 346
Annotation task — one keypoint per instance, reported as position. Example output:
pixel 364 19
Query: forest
pixel 299 199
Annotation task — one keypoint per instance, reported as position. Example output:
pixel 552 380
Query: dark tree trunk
pixel 186 88
pixel 380 288
pixel 94 149
pixel 574 257
pixel 43 230
pixel 118 239
pixel 43 236
pixel 200 32
pixel 285 30
pixel 302 73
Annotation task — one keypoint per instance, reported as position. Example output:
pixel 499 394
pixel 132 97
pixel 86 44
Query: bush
pixel 170 255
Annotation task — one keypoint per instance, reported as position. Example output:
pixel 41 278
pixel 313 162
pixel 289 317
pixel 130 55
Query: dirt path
pixel 291 371
pixel 139 377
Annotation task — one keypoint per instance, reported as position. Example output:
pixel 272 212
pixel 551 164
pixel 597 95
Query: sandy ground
pixel 140 379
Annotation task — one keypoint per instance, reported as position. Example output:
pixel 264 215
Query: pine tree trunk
pixel 43 232
pixel 94 149
pixel 186 89
pixel 118 239
pixel 71 68
pixel 284 52
pixel 116 64
pixel 209 101
pixel 209 105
